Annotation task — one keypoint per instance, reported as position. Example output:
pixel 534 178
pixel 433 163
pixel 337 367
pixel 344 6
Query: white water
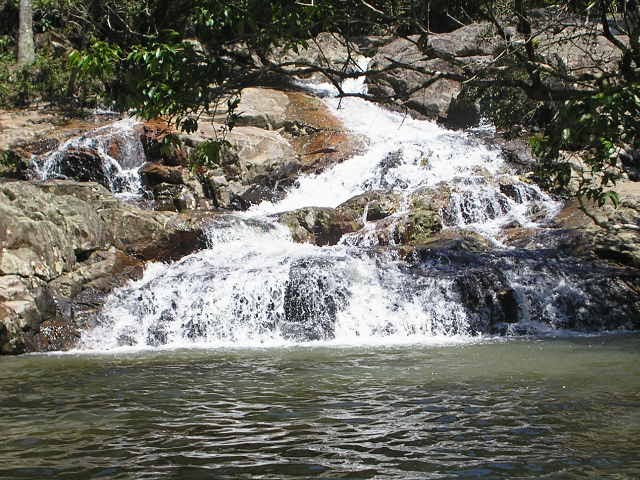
pixel 121 173
pixel 426 156
pixel 254 286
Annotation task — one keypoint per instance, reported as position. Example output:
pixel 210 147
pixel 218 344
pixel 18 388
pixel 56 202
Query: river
pixel 563 408
pixel 259 357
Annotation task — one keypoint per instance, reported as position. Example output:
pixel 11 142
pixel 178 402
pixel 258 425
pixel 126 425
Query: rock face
pixel 64 244
pixel 423 73
pixel 327 50
pixel 399 64
pixel 314 294
pixel 518 292
pixel 85 165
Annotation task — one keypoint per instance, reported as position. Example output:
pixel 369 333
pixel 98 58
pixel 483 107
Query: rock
pixel 176 188
pixel 519 291
pixel 24 302
pixel 315 292
pixel 453 240
pixel 377 204
pixel 631 162
pixel 518 153
pixel 320 226
pixel 257 155
pixel 153 174
pixel 424 218
pixel 84 165
pixel 619 242
pixel 566 50
pixel 35 131
pixel 265 157
pixel 476 39
pixel 263 108
pixel 489 298
pixel 326 50
pixel 77 219
pixel 174 198
pixel 317 136
pixel 415 89
pixel 409 73
pixel 154 135
pixel 462 113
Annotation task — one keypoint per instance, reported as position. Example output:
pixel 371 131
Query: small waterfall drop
pixel 110 155
pixel 254 286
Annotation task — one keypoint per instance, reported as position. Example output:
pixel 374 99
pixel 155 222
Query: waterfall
pixel 111 155
pixel 254 286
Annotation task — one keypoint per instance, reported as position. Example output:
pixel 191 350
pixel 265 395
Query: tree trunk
pixel 26 49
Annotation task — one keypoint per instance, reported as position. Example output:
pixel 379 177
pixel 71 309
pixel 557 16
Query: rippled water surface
pixel 532 408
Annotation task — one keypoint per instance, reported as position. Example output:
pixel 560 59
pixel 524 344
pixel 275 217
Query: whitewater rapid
pixel 254 286
pixel 118 148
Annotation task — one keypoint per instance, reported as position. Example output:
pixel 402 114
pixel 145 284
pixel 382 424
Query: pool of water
pixel 528 408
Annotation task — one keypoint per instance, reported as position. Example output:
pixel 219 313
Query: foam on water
pixel 253 286
pixel 122 173
pixel 405 155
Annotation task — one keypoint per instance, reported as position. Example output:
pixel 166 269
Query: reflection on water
pixel 518 409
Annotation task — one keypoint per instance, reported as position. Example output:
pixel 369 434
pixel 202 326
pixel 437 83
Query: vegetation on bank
pixel 181 59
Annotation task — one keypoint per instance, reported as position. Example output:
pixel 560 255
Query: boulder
pixel 315 292
pixel 396 77
pixel 326 50
pixel 263 108
pixel 77 220
pixel 84 164
pixel 474 40
pixel 153 174
pixel 320 226
pixel 371 206
pixel 264 157
pixel 256 155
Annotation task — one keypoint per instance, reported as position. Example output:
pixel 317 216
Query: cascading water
pixel 254 286
pixel 111 155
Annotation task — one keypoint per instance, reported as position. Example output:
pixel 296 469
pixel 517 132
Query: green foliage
pixel 10 163
pixel 601 128
pixel 511 110
pixel 209 154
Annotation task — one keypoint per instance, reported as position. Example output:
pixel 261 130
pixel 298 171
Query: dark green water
pixel 519 409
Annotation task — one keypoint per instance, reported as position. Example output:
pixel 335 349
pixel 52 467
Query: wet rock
pixel 511 292
pixel 454 240
pixel 84 165
pixel 376 204
pixel 424 218
pixel 316 291
pixel 489 298
pixel 320 226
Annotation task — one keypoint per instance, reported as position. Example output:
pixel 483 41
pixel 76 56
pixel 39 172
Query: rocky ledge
pixel 64 245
